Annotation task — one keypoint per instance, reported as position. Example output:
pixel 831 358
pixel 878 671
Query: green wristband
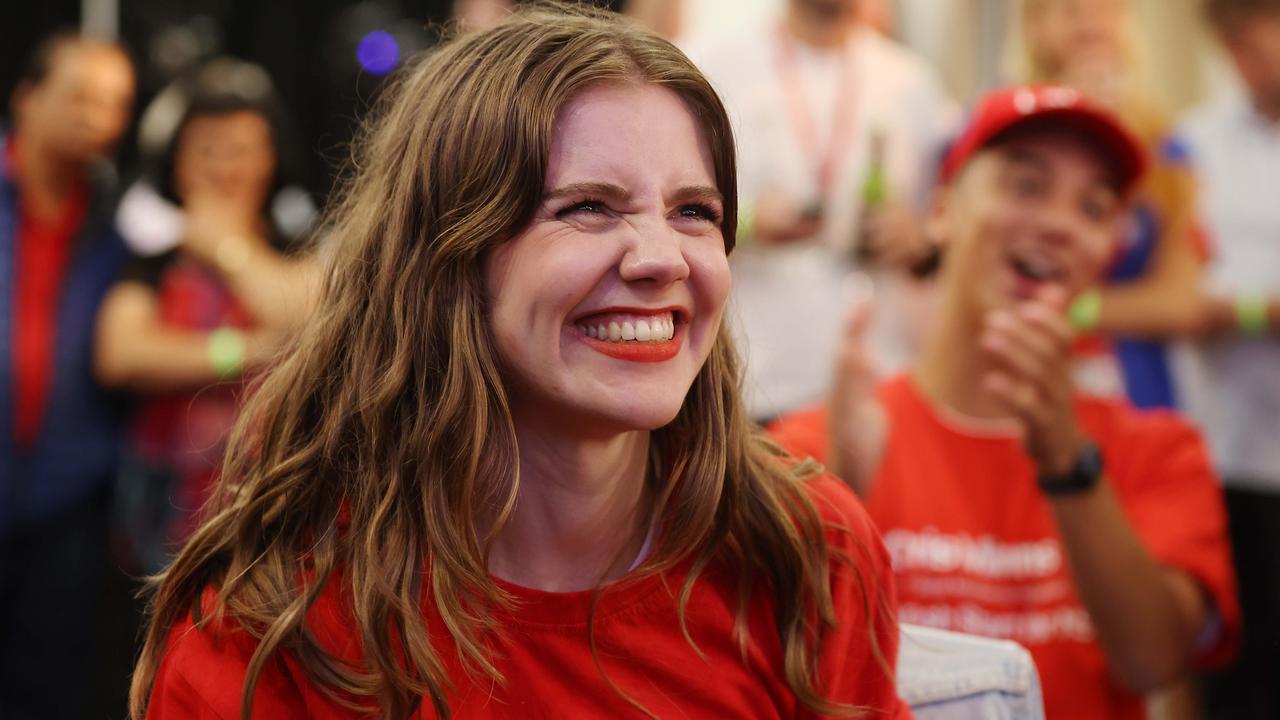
pixel 226 352
pixel 1251 314
pixel 1086 310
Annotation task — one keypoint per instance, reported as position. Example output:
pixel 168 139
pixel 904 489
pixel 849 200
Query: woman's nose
pixel 655 254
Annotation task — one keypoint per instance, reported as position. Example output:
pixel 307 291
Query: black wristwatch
pixel 1082 477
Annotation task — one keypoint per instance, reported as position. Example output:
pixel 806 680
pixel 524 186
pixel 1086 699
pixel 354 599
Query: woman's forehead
pixel 620 129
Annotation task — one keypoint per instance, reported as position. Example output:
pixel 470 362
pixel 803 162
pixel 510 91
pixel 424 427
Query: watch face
pixel 1090 461
pixel 1083 476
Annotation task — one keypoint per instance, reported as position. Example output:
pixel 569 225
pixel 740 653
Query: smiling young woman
pixel 506 471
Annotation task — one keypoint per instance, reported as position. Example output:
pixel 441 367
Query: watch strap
pixel 1082 477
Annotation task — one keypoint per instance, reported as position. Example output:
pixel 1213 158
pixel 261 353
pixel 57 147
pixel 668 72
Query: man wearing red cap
pixel 1088 531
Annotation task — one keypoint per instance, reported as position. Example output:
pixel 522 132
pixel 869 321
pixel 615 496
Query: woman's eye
pixel 590 207
pixel 700 212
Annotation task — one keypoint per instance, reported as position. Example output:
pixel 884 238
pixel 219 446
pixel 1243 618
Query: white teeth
pixel 634 329
pixel 1037 267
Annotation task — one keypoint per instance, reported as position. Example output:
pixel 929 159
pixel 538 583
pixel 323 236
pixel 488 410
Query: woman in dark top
pixel 186 322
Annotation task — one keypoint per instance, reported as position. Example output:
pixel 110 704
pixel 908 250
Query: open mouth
pixel 635 336
pixel 1031 270
pixel 631 328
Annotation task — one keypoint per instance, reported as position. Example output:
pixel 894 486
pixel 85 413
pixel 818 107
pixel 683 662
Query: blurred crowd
pixel 138 303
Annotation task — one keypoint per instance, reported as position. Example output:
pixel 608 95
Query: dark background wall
pixel 307 46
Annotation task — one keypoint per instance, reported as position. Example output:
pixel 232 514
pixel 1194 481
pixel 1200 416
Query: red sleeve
pixel 1176 507
pixel 858 657
pixel 201 677
pixel 804 434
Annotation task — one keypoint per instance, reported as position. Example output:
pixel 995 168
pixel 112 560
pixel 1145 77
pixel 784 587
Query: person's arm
pixel 134 349
pixel 773 219
pixel 859 427
pixel 1167 300
pixel 278 291
pixel 1170 301
pixel 1146 615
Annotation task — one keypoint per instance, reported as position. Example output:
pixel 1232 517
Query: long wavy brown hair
pixel 382 445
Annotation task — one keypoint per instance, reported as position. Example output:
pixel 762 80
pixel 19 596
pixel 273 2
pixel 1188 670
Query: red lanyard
pixel 827 160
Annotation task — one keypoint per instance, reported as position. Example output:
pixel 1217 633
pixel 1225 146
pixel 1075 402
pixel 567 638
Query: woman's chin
pixel 620 418
pixel 649 418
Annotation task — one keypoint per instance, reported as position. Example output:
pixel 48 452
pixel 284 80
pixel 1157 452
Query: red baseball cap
pixel 1054 106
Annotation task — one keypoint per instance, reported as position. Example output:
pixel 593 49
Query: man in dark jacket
pixel 58 255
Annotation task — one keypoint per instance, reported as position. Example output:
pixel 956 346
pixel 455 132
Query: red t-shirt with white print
pixel 975 547
pixel 545 657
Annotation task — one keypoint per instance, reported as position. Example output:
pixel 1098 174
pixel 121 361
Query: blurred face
pixel 1254 46
pixel 1063 33
pixel 607 305
pixel 1039 208
pixel 82 107
pixel 828 7
pixel 480 14
pixel 228 157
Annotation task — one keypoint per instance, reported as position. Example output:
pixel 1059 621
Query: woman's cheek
pixel 709 268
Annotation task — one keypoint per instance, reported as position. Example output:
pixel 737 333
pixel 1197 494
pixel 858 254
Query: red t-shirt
pixel 544 655
pixel 975 547
pixel 42 251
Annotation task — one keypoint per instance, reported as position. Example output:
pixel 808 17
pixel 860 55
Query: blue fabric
pixel 1144 363
pixel 74 455
pixel 1175 151
pixel 1147 378
pixel 951 676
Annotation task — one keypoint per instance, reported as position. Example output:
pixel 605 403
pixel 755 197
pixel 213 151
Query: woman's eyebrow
pixel 610 191
pixel 697 193
pixel 607 191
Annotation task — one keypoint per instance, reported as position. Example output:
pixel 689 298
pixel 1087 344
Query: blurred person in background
pixel 1233 384
pixel 877 15
pixel 1089 531
pixel 58 428
pixel 1150 293
pixel 665 17
pixel 679 19
pixel 481 14
pixel 836 124
pixel 214 286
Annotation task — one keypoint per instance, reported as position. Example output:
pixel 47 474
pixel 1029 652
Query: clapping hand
pixel 858 423
pixel 1030 345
